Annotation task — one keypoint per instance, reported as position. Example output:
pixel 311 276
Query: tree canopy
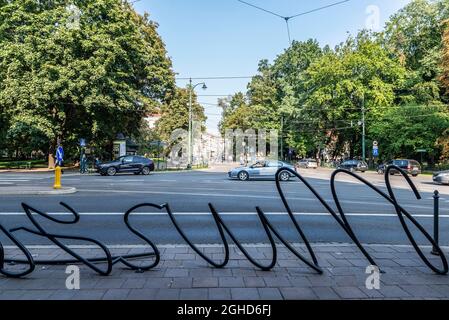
pixel 315 95
pixel 77 69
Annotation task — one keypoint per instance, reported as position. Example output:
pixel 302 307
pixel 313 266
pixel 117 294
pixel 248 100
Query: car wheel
pixel 380 171
pixel 284 176
pixel 111 171
pixel 146 171
pixel 351 169
pixel 243 176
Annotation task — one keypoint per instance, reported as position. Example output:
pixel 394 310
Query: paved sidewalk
pixel 34 190
pixel 183 275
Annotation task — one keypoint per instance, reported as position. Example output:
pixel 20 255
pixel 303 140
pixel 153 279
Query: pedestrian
pixel 83 164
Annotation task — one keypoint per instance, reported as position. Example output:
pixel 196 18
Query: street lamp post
pixel 363 131
pixel 191 89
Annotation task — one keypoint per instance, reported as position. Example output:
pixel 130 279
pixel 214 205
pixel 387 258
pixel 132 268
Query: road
pixel 103 200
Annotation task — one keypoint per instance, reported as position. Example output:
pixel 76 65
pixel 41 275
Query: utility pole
pixel 363 129
pixel 190 140
pixel 189 164
pixel 282 137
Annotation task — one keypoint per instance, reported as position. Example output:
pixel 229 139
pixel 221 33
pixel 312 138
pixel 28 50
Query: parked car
pixel 307 164
pixel 412 167
pixel 441 177
pixel 134 164
pixel 262 169
pixel 354 165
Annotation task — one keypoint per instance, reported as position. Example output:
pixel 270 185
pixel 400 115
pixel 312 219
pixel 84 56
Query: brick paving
pixel 183 275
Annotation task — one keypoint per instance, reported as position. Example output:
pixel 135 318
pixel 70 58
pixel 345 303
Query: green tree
pixel 91 72
pixel 404 129
pixel 445 59
pixel 175 113
pixel 413 35
pixel 358 74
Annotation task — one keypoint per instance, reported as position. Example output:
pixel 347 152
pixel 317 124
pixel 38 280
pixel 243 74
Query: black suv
pixel 134 164
pixel 412 167
pixel 354 165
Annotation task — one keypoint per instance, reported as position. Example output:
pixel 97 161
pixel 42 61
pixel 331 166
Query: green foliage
pixel 404 129
pixel 175 113
pixel 413 36
pixel 445 59
pixel 397 76
pixel 93 79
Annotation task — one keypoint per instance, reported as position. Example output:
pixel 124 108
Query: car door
pixel 137 164
pixel 127 164
pixel 271 168
pixel 256 170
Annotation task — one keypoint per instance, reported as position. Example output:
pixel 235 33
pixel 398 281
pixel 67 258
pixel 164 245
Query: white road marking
pixel 245 196
pixel 163 213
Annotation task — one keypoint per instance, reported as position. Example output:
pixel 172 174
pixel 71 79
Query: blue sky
pixel 208 38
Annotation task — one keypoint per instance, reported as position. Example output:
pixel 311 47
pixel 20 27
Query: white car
pixel 262 170
pixel 441 177
pixel 308 164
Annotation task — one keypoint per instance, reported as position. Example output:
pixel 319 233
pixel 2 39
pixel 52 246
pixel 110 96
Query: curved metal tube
pixel 29 257
pixel 399 210
pixel 222 228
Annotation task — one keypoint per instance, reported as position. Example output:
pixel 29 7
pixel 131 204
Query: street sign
pixel 82 142
pixel 59 154
pixel 421 150
pixel 375 152
pixel 375 143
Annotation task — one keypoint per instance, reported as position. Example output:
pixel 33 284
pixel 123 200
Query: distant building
pixel 209 149
pixel 151 119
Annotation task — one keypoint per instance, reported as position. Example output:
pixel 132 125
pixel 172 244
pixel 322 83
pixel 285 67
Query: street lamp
pixel 191 89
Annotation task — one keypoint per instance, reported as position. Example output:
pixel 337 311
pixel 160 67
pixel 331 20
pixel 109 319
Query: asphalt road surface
pixel 103 200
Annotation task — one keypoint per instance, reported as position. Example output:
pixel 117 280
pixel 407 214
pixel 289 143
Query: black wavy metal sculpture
pixel 222 228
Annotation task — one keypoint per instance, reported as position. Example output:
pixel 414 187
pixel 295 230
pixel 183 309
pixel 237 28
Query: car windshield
pixel 274 164
pixel 401 163
pixel 259 164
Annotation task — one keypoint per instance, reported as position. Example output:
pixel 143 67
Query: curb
pixel 38 192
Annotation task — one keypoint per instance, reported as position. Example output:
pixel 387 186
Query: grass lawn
pixel 22 164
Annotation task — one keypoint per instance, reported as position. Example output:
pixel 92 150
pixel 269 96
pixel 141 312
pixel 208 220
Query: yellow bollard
pixel 57 184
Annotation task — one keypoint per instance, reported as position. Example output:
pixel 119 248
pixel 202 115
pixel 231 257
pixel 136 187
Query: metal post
pixel 57 184
pixel 282 137
pixel 189 165
pixel 224 148
pixel 158 154
pixel 363 131
pixel 436 220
